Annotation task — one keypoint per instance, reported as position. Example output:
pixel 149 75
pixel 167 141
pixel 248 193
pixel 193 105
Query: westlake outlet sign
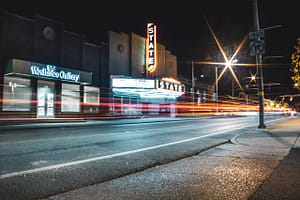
pixel 53 72
pixel 46 71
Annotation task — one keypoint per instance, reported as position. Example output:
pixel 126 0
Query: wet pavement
pixel 257 164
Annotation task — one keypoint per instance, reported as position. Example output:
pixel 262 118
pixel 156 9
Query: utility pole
pixel 259 71
pixel 232 88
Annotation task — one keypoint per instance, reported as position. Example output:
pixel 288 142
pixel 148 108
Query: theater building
pixel 49 72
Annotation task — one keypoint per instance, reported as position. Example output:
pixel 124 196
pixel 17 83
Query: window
pixel 70 98
pixel 91 99
pixel 17 94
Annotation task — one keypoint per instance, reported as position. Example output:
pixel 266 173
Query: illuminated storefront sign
pixel 51 71
pixel 151 48
pixel 133 83
pixel 162 84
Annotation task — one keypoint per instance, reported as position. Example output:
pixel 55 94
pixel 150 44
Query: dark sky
pixel 181 25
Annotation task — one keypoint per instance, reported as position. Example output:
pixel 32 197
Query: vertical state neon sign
pixel 151 48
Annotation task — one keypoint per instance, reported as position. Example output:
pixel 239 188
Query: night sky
pixel 182 27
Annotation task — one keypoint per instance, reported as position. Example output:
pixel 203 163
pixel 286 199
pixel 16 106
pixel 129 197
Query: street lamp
pixel 228 64
pixel 217 89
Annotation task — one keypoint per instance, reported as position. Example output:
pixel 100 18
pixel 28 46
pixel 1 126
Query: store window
pixel 70 98
pixel 117 104
pixel 131 106
pixel 126 106
pixel 91 99
pixel 17 94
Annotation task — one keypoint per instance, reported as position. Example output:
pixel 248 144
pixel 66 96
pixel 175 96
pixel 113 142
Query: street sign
pixel 257 34
pixel 257 47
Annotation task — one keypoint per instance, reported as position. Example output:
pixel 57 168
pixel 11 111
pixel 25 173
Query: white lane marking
pixel 52 167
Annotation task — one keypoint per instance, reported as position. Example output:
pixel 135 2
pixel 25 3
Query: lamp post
pixel 216 89
pixel 232 82
pixel 193 87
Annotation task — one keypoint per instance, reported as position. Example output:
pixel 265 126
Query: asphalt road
pixel 44 162
pixel 256 165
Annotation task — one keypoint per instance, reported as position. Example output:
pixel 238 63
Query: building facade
pixel 49 72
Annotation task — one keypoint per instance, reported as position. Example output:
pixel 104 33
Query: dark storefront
pixel 47 91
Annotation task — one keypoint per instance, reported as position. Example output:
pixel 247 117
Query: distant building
pixel 48 72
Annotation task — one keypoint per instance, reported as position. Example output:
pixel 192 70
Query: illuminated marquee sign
pixel 133 83
pixel 161 84
pixel 53 72
pixel 151 48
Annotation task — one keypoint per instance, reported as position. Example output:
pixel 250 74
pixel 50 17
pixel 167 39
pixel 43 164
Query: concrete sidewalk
pixel 257 164
pixel 284 182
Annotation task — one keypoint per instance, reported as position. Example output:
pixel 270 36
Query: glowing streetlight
pixel 228 64
pixel 253 78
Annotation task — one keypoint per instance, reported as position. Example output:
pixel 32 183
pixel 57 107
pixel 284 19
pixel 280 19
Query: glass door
pixel 45 99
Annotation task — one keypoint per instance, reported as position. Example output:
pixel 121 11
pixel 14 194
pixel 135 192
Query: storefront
pixel 47 91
